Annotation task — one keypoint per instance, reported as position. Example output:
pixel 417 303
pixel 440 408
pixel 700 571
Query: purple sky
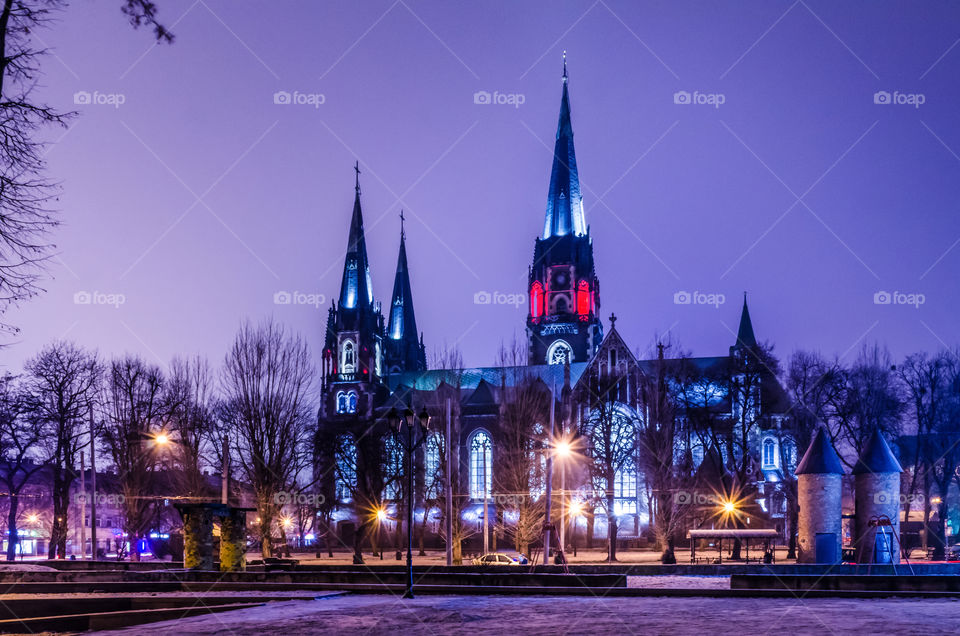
pixel 199 198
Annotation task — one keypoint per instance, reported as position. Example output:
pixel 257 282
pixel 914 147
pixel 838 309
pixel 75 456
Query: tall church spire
pixel 356 290
pixel 406 351
pixel 564 202
pixel 745 336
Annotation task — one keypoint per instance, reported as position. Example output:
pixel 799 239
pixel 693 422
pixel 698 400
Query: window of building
pixel 432 466
pixel 347 401
pixel 395 469
pixel 769 453
pixel 345 468
pixel 559 352
pixel 481 465
pixel 583 298
pixel 348 357
pixel 536 299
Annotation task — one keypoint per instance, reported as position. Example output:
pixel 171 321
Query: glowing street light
pixel 33 518
pixel 563 449
pixel 381 515
pixel 729 507
pixel 162 439
pixel 286 522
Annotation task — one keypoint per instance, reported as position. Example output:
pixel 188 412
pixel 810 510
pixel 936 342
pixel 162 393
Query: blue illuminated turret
pixel 564 202
pixel 356 290
pixel 405 351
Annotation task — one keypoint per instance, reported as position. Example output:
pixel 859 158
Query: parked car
pixel 497 558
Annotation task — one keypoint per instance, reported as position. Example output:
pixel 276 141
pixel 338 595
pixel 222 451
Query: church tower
pixel 563 322
pixel 353 348
pixel 405 350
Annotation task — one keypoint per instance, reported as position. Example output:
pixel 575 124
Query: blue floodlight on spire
pixel 564 201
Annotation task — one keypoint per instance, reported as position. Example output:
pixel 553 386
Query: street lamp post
pixel 405 420
pixel 562 451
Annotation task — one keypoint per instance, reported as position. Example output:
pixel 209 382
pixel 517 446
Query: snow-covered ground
pixel 680 582
pixel 436 615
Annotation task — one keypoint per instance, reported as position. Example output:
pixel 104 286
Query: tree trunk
pixel 591 520
pixel 358 537
pixel 611 525
pixel 12 525
pixel 793 521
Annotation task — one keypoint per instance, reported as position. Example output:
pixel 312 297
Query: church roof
pixel 469 379
pixel 356 290
pixel 877 457
pixel 564 202
pixel 821 458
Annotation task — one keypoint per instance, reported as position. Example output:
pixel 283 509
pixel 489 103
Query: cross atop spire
pixel 402 235
pixel 564 203
pixel 356 168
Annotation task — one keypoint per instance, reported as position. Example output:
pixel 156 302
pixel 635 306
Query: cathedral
pixel 571 371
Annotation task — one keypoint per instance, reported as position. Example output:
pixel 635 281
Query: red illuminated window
pixel 583 298
pixel 536 299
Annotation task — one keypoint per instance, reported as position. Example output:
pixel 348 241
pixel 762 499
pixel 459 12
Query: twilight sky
pixel 198 198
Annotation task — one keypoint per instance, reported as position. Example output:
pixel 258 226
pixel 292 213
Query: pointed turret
pixel 745 336
pixel 877 458
pixel 564 202
pixel 406 351
pixel 356 290
pixel 353 348
pixel 821 458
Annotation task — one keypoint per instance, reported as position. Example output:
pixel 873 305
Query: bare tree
pixel 135 411
pixel 518 472
pixel 19 441
pixel 657 452
pixel 191 424
pixel 26 219
pixel 61 385
pixel 874 400
pixel 609 433
pixel 267 384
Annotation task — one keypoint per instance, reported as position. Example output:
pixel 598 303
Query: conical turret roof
pixel 821 458
pixel 877 457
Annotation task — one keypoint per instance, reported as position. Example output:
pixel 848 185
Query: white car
pixel 496 558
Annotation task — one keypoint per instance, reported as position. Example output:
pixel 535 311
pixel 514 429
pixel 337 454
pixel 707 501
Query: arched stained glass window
pixel 481 465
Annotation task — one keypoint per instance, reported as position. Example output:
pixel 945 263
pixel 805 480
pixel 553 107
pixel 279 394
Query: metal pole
pixel 449 486
pixel 225 479
pixel 486 533
pixel 409 593
pixel 93 490
pixel 563 504
pixel 549 493
pixel 83 508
